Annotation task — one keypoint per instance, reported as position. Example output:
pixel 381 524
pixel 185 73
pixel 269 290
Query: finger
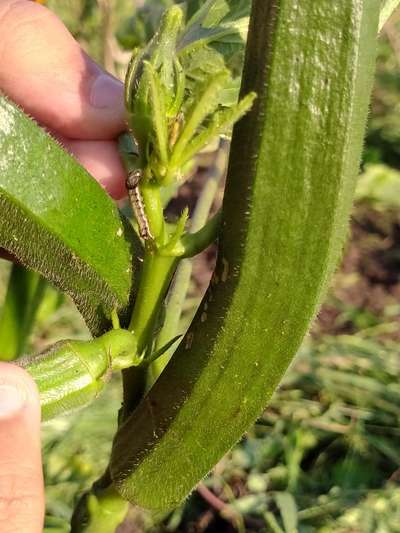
pixel 21 480
pixel 101 160
pixel 43 69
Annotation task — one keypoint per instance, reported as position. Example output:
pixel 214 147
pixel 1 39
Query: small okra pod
pixel 72 373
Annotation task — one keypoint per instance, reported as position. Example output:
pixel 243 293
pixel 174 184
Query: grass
pixel 322 454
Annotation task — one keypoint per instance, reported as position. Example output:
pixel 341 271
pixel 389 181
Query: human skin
pixel 44 70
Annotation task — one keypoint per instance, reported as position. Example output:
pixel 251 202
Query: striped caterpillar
pixel 132 184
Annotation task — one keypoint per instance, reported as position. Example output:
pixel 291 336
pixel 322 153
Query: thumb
pixel 21 480
pixel 43 69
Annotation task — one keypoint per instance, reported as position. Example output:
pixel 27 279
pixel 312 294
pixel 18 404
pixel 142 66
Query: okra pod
pixel 72 373
pixel 293 166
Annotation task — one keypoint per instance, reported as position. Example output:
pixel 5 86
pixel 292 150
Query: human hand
pixel 21 480
pixel 45 71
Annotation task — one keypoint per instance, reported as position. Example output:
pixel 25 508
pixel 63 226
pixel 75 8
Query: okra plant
pixel 295 151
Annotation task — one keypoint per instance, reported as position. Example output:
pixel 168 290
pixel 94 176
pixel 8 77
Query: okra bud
pixel 72 373
pixel 156 63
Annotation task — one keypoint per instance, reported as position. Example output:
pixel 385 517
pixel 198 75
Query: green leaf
pixel 288 509
pixel 202 104
pixel 158 113
pixel 380 186
pixel 25 291
pixel 57 220
pixel 136 31
pixel 214 39
pixel 220 123
pixel 292 172
pixel 217 20
pixel 161 351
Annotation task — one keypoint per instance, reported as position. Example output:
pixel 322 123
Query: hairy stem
pixel 183 274
pixel 155 278
pixel 153 207
pixel 99 510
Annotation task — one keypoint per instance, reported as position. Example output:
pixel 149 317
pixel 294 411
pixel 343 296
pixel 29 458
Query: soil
pixel 366 289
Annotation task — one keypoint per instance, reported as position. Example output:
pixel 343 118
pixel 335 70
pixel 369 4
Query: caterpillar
pixel 132 184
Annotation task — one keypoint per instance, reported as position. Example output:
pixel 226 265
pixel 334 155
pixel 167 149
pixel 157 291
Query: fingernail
pixel 12 399
pixel 107 92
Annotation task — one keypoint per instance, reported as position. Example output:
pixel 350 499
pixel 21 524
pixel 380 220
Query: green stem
pixel 155 278
pixel 24 294
pixel 194 243
pixel 153 207
pixel 100 510
pixel 210 189
pixel 173 314
pixel 183 274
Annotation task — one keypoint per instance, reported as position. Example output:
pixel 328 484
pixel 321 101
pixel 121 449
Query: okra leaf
pixel 56 219
pixel 215 21
pixel 214 39
pixel 137 30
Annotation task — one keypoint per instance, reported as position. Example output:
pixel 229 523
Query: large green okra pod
pixel 72 373
pixel 294 160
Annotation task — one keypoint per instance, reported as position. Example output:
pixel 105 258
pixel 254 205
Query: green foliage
pixel 180 94
pixel 213 39
pixel 383 138
pixel 25 292
pixel 379 185
pixel 315 435
pixel 302 466
pixel 169 117
pixel 378 512
pixel 331 417
pixel 138 29
pixel 44 200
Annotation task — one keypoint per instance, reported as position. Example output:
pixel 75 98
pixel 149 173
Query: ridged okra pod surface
pixel 293 165
pixel 71 374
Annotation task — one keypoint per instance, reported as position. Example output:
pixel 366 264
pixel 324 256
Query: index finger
pixel 44 69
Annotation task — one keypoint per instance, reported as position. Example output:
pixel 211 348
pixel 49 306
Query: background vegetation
pixel 324 456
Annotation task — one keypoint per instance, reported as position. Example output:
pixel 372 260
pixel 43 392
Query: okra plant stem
pixel 181 282
pixel 153 206
pixel 155 278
